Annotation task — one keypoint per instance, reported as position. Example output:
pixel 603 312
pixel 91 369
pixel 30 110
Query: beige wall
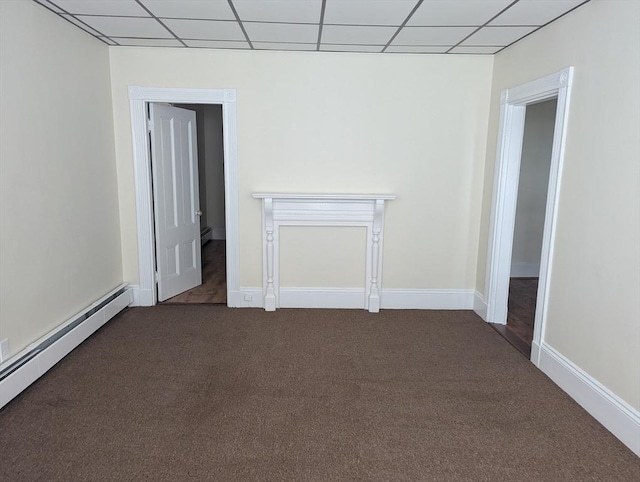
pixel 329 122
pixel 214 152
pixel 532 188
pixel 594 312
pixel 59 224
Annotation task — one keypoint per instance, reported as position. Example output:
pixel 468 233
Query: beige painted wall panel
pixel 322 257
pixel 532 184
pixel 594 308
pixel 59 222
pixel 411 125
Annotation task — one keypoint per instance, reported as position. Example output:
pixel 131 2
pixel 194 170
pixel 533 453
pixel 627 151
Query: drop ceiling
pixel 376 26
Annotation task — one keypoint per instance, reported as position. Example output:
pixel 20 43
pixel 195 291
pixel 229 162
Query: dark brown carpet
pixel 202 392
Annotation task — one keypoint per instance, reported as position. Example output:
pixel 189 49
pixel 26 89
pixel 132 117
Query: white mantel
pixel 293 209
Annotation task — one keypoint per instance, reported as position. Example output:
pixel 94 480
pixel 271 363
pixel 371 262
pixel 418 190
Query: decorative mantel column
pixel 286 209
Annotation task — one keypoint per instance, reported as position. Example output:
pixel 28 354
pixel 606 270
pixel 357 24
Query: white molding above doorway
pixel 139 97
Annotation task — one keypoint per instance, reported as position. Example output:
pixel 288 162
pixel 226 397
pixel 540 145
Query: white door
pixel 176 200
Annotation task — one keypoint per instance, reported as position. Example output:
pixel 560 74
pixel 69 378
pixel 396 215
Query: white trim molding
pixel 615 414
pixel 480 305
pixel 139 98
pixel 427 299
pixel 24 368
pixel 289 209
pixel 514 102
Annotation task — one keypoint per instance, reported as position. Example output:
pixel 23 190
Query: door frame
pixel 513 105
pixel 139 98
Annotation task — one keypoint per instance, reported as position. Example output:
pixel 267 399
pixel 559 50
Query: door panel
pixel 175 178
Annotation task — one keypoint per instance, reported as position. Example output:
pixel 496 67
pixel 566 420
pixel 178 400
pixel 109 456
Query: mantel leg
pixel 376 255
pixel 270 293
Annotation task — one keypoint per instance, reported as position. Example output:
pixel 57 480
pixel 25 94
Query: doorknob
pixel 199 213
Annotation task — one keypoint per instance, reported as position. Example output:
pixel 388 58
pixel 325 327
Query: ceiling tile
pixel 458 12
pixel 50 5
pixel 282 32
pixel 197 9
pixel 149 42
pixel 295 11
pixel 217 44
pixel 538 12
pixel 127 27
pixel 417 49
pixel 366 12
pixel 205 29
pixel 102 7
pixel 84 27
pixel 341 34
pixel 432 35
pixel 475 50
pixel 282 46
pixel 351 48
pixel 497 35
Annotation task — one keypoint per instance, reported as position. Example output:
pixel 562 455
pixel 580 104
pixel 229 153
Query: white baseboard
pixel 205 235
pixel 321 298
pixel 525 270
pixel 419 299
pixel 245 298
pixel 218 233
pixel 44 356
pixel 426 299
pixel 480 305
pixel 615 414
pixel 141 297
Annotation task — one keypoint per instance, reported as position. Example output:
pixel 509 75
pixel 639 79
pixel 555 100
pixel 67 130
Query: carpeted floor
pixel 203 392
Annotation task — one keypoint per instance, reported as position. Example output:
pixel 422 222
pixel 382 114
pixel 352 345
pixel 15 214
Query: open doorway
pixel 145 293
pixel 514 103
pixel 210 148
pixel 533 182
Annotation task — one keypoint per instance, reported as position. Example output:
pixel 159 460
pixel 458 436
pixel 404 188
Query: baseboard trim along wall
pixel 480 305
pixel 398 299
pixel 611 411
pixel 24 368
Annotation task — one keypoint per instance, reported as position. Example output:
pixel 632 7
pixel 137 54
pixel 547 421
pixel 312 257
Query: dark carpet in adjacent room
pixel 202 392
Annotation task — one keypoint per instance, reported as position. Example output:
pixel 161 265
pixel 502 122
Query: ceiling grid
pixel 481 27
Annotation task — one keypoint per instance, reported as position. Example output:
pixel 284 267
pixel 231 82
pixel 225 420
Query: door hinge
pixel 157 277
pixel 149 125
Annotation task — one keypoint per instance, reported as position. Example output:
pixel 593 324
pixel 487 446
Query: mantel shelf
pixel 329 197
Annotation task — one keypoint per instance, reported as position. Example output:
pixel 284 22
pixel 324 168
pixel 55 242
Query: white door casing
pixel 505 192
pixel 174 161
pixel 139 97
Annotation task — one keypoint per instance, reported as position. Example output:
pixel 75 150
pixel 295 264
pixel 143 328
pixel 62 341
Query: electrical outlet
pixel 4 350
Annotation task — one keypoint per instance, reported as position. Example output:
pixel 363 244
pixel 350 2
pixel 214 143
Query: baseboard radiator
pixel 21 370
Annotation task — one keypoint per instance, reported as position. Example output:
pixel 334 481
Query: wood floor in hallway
pixel 214 277
pixel 522 310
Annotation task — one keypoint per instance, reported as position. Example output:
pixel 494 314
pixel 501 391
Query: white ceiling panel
pixel 456 12
pixel 127 27
pixel 198 9
pixel 497 35
pixel 475 50
pixel 295 11
pixel 282 46
pixel 282 32
pixel 216 44
pixel 368 12
pixel 205 29
pixel 341 34
pixel 102 7
pixel 535 12
pixel 351 48
pixel 149 42
pixel 432 35
pixel 417 49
